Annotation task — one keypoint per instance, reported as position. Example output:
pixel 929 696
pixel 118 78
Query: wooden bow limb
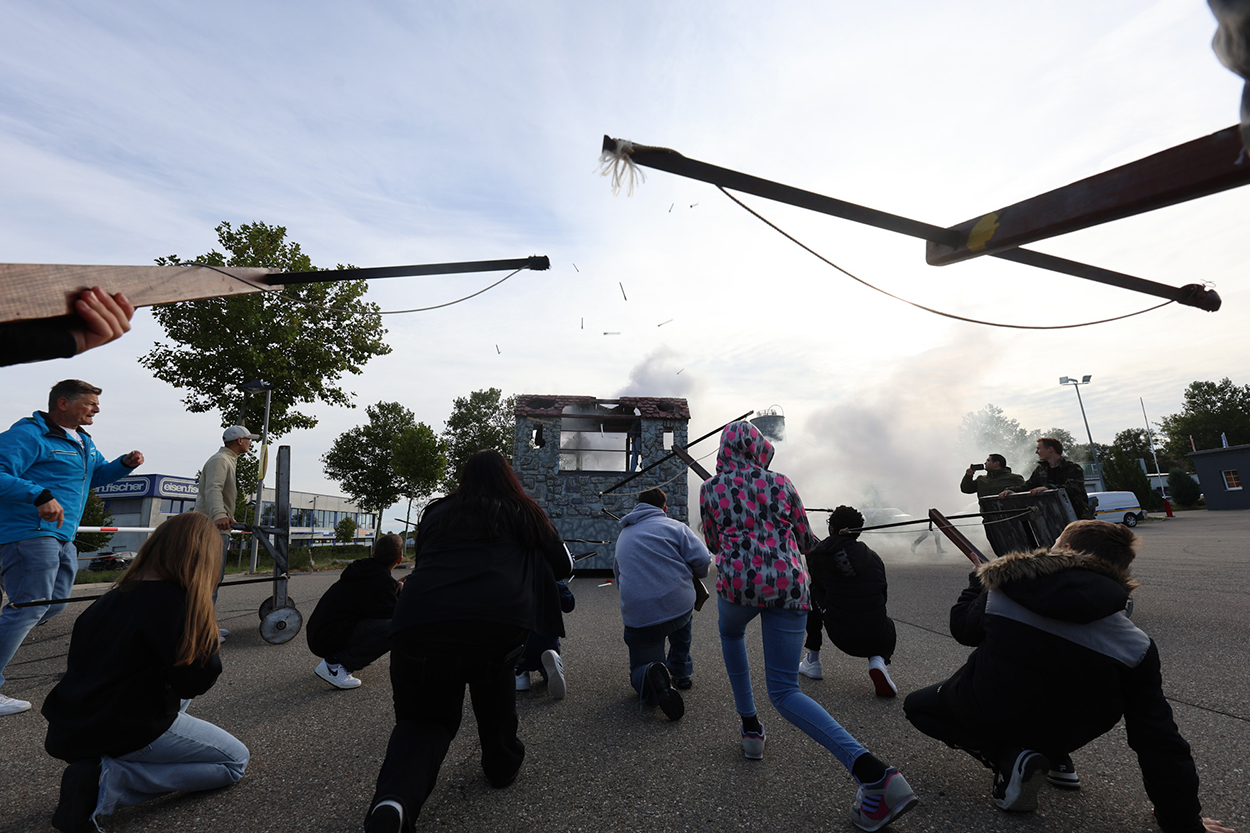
pixel 664 159
pixel 40 290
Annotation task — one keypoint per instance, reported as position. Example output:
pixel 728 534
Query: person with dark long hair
pixel 484 575
pixel 136 658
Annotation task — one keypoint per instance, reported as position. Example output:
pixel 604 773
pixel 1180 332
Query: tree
pixel 300 340
pixel 1122 472
pixel 988 431
pixel 345 531
pixel 1183 488
pixel 482 420
pixel 1135 443
pixel 362 458
pixel 420 463
pixel 1210 409
pixel 94 513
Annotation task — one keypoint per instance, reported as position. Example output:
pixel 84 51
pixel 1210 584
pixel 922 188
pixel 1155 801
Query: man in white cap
pixel 218 489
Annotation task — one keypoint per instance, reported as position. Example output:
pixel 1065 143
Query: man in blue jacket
pixel 657 562
pixel 48 465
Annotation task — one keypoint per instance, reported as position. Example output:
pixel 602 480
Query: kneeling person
pixel 1045 625
pixel 350 627
pixel 658 560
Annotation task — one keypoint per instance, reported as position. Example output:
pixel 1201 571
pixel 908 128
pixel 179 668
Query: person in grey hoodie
pixel 657 562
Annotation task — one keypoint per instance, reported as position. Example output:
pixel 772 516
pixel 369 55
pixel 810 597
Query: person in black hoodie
pixel 350 627
pixel 484 575
pixel 1045 625
pixel 849 589
pixel 136 657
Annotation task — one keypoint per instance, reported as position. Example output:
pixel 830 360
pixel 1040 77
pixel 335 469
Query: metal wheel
pixel 266 607
pixel 1130 520
pixel 281 625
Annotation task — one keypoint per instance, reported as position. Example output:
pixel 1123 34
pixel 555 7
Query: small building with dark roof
pixel 1223 473
pixel 569 449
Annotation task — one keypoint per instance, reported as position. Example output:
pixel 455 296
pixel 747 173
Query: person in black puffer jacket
pixel 1058 664
pixel 350 627
pixel 849 589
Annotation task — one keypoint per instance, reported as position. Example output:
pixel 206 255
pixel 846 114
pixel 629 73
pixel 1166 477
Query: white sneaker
pixel 554 666
pixel 336 675
pixel 9 705
pixel 810 668
pixel 881 678
pixel 223 632
pixel 523 681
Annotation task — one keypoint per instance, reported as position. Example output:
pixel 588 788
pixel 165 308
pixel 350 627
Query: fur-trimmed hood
pixel 1064 585
pixel 1022 566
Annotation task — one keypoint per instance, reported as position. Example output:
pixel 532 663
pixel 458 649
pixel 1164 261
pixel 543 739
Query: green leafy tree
pixel 990 431
pixel 1184 489
pixel 1210 409
pixel 483 419
pixel 361 460
pixel 1122 472
pixel 420 463
pixel 300 340
pixel 1135 443
pixel 95 513
pixel 345 531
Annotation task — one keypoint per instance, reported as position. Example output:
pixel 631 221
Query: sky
pixel 382 134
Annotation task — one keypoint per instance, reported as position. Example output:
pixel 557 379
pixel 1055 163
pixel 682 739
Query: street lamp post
pixel 1064 380
pixel 256 387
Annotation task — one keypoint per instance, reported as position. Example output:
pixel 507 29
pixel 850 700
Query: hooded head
pixel 743 447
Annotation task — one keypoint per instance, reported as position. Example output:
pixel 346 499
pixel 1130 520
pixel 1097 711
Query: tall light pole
pixel 1064 380
pixel 256 387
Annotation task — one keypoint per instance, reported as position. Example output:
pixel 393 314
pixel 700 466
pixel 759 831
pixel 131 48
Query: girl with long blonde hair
pixel 136 658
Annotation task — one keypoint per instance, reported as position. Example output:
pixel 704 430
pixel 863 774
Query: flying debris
pixel 693 204
pixel 662 323
pixel 622 286
pixel 497 350
pixel 575 268
pixel 611 332
pixel 583 323
pixel 670 208
pixel 678 373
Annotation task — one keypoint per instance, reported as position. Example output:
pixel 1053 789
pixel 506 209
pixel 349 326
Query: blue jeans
pixel 192 755
pixel 37 568
pixel 646 645
pixel 783 631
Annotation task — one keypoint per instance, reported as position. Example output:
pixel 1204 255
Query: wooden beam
pixel 665 159
pixel 1195 169
pixel 40 290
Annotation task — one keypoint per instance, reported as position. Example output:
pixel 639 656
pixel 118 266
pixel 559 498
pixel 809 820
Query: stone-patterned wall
pixel 573 500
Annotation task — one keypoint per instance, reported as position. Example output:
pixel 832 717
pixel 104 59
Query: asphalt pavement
pixel 596 761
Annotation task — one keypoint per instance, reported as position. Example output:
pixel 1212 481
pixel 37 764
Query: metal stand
pixel 280 621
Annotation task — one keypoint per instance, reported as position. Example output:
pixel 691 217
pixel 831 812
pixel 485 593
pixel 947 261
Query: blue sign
pixel 150 485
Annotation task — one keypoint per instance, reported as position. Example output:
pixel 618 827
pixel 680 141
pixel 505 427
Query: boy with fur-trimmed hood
pixel 1057 664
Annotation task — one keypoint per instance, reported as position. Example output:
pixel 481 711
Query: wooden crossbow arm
pixel 40 290
pixel 665 159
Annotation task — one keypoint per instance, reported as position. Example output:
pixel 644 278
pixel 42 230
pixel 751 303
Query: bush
pixel 1185 490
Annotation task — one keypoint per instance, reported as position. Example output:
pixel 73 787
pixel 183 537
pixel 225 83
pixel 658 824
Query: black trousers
pixel 928 712
pixel 370 640
pixel 428 681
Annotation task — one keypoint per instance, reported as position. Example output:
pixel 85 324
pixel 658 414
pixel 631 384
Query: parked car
pixel 111 560
pixel 1118 507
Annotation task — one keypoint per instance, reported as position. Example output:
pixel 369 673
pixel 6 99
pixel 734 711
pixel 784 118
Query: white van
pixel 1118 507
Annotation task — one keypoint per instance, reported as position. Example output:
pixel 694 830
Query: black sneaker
pixel 659 683
pixel 80 792
pixel 1016 785
pixel 385 818
pixel 1063 774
